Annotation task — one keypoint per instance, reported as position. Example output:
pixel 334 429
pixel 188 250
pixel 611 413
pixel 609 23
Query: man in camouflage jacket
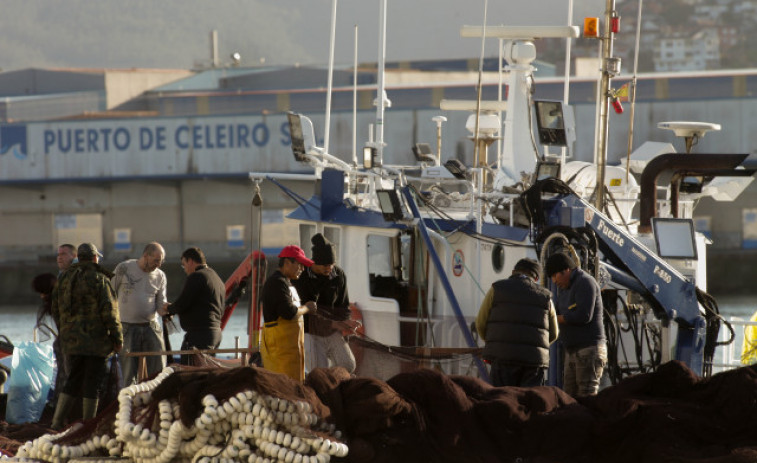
pixel 85 309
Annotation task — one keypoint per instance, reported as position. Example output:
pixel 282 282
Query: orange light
pixel 591 27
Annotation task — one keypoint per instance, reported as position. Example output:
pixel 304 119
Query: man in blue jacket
pixel 582 332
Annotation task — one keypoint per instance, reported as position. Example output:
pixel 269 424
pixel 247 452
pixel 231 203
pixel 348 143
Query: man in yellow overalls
pixel 282 343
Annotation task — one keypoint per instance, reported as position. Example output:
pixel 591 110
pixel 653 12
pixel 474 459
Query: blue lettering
pixel 145 138
pixel 64 147
pixel 92 140
pixel 231 136
pixel 197 137
pixel 49 140
pixel 260 134
pixel 181 137
pixel 106 138
pixel 121 139
pixel 160 138
pixel 221 136
pixel 208 137
pixel 242 133
pixel 79 140
pixel 286 140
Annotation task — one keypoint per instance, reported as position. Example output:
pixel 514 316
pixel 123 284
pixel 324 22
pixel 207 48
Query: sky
pixel 175 33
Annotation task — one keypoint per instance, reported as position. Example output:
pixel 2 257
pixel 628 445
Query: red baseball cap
pixel 295 252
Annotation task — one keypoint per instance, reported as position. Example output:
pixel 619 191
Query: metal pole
pixel 566 75
pixel 256 231
pixel 476 148
pixel 608 70
pixel 380 92
pixel 354 104
pixel 330 78
pixel 633 90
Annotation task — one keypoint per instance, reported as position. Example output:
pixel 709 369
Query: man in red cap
pixel 282 341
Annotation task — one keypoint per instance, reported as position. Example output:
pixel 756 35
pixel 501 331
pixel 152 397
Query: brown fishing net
pixel 426 416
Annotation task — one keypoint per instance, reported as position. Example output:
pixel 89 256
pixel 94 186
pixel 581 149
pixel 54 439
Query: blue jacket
pixel 581 306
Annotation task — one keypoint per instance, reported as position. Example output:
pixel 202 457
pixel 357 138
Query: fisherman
pixel 582 332
pixel 85 309
pixel 140 286
pixel 66 257
pixel 282 341
pixel 518 322
pixel 200 305
pixel 326 284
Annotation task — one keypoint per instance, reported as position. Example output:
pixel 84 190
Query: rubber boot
pixel 89 408
pixel 62 410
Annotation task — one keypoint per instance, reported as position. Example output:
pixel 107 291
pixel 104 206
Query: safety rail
pixel 241 354
pixel 728 357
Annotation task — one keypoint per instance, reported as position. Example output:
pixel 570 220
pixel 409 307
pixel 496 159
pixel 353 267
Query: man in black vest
pixel 517 320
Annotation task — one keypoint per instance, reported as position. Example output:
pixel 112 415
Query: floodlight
pixel 456 168
pixel 391 208
pixel 547 169
pixel 370 155
pixel 422 152
pixel 302 134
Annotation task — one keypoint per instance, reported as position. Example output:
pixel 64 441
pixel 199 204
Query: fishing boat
pixel 421 244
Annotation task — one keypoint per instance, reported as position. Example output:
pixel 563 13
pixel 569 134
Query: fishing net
pixel 424 415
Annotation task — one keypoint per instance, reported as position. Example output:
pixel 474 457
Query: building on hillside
pixel 696 52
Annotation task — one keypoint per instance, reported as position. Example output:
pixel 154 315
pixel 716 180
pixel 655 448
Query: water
pixel 17 324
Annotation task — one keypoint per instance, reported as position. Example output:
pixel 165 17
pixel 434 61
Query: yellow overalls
pixel 282 345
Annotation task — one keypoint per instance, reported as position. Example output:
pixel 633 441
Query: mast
pixel 632 92
pixel 381 100
pixel 330 76
pixel 610 69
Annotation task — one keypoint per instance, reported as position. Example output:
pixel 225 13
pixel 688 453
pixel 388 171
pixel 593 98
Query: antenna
pixel 691 132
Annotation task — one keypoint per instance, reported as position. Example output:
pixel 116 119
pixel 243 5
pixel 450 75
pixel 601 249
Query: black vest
pixel 517 331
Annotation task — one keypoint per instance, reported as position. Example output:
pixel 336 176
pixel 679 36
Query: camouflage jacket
pixel 85 309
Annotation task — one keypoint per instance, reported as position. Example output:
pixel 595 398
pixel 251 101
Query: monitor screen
pixel 674 238
pixel 550 122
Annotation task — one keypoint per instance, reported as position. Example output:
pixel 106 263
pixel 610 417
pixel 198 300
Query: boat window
pixel 306 232
pixel 380 268
pixel 380 255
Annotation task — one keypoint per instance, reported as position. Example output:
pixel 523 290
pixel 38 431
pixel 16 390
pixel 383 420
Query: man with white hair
pixel 140 285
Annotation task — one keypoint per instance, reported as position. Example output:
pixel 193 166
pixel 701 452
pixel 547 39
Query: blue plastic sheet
pixel 29 383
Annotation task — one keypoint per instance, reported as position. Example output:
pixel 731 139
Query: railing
pixel 241 354
pixel 728 357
